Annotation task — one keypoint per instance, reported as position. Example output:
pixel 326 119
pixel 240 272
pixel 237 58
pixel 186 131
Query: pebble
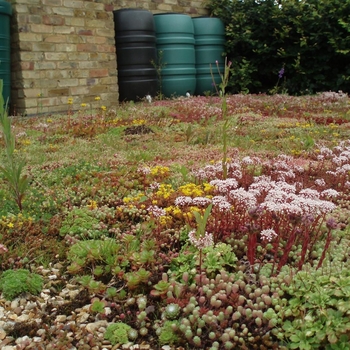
pixel 92 327
pixel 22 318
pixel 61 318
pixel 2 334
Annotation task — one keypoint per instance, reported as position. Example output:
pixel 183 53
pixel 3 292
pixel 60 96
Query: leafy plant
pixel 159 66
pixel 12 168
pixel 320 314
pixel 214 259
pixel 15 282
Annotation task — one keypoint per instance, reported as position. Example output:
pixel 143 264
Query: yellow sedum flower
pixel 92 204
pixel 159 170
pixel 164 191
pixel 191 190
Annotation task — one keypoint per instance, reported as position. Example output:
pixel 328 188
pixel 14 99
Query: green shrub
pixel 309 39
pixel 15 282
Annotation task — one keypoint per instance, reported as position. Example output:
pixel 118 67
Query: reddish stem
pixel 252 240
pixel 328 242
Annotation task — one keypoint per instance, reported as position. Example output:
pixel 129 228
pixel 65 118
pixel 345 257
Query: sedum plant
pixel 118 333
pixel 15 282
pixel 82 223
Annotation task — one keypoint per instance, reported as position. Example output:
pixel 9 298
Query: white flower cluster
pixel 202 241
pixel 154 186
pixel 201 201
pixel 268 235
pixel 183 201
pixel 224 185
pixel 242 197
pixel 156 211
pixel 145 170
pixel 222 203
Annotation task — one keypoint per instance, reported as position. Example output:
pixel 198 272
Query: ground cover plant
pixel 193 223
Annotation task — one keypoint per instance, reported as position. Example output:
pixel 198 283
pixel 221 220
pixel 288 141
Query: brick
pixel 59 92
pixel 88 64
pixel 79 73
pixel 57 74
pixel 55 56
pixel 73 3
pixel 79 90
pixel 37 19
pixel 78 56
pixel 95 23
pixel 94 73
pixel 102 15
pixel 51 101
pixel 108 80
pixel 75 22
pixel 63 30
pixel 21 8
pixel 31 102
pixel 41 28
pixel 25 46
pixel 65 47
pixel 52 2
pixel 43 46
pixel 31 93
pixel 27 65
pixel 53 20
pixel 31 56
pixel 91 81
pixel 105 32
pixel 164 7
pixel 67 65
pixel 75 39
pixel 35 10
pixel 85 32
pixel 96 40
pixel 63 11
pixel 30 37
pixel 86 47
pixel 45 65
pixel 105 48
pixel 84 13
pixel 93 6
pixel 56 39
pixel 109 7
pixel 68 82
pixel 98 89
pixel 45 83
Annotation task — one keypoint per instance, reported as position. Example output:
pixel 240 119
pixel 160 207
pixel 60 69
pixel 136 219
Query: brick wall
pixel 65 49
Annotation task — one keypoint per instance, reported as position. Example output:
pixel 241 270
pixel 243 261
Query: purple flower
pixel 281 72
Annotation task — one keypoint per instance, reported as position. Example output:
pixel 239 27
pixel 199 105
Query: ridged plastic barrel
pixel 136 50
pixel 175 39
pixel 209 34
pixel 5 48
